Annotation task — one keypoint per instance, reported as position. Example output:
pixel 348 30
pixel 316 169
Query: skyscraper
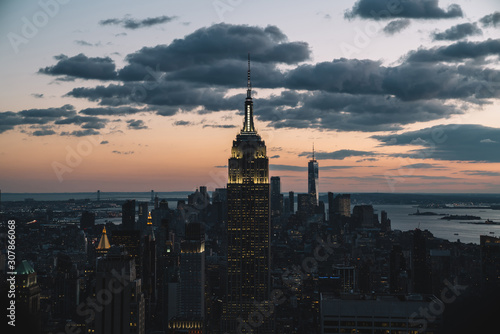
pixel 248 226
pixel 276 205
pixel 312 180
pixel 128 215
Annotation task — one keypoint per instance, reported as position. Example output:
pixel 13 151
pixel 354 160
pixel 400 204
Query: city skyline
pixel 404 100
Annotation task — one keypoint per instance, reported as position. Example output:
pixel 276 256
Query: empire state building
pixel 248 228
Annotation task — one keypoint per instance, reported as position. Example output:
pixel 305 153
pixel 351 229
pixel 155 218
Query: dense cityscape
pixel 250 167
pixel 245 258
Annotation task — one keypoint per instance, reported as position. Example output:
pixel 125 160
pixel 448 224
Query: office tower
pixel 342 205
pixel 65 289
pixel 276 205
pixel 248 226
pixel 149 265
pixel 291 199
pixel 152 195
pixel 131 240
pixel 143 213
pixel 191 309
pixel 312 180
pixel 124 311
pixel 128 215
pixel 27 307
pixel 103 245
pixel 304 203
pixel 490 262
pixel 421 271
pixel 398 275
pixel 87 220
pixel 98 195
pixel 385 223
pixel 330 207
pixel 363 216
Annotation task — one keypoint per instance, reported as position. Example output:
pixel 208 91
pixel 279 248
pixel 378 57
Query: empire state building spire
pixel 248 126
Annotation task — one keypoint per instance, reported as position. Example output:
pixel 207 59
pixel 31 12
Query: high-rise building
pixel 342 205
pixel 27 299
pixel 87 220
pixel 143 213
pixel 312 180
pixel 490 262
pixel 124 312
pixel 128 215
pixel 248 226
pixel 421 271
pixel 276 205
pixel 291 199
pixel 149 266
pixel 191 306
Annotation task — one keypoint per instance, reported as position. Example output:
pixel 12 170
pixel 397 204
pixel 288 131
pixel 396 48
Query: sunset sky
pixel 118 95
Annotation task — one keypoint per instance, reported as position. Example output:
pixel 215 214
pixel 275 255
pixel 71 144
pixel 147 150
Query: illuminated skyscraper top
pixel 312 180
pixel 248 126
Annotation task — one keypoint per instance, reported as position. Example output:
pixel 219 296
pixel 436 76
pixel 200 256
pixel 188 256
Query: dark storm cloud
pixel 456 52
pixel 396 26
pixel 491 20
pixel 218 42
pixel 79 120
pixel 457 32
pixel 456 142
pixel 136 124
pixel 416 9
pixel 338 155
pixel 81 66
pixel 349 112
pixel 130 23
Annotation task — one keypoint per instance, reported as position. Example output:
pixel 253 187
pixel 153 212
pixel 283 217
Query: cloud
pixel 338 155
pixel 85 43
pixel 424 166
pixel 111 111
pixel 278 167
pixel 396 26
pixel 136 124
pixel 80 133
pixel 221 42
pixel 81 66
pixel 487 141
pixel 457 32
pixel 183 123
pixel 220 126
pixel 454 142
pixel 456 52
pixel 9 120
pixel 37 95
pixel 123 152
pixel 276 156
pixel 491 20
pixel 416 9
pixel 44 132
pixel 130 23
pixel 104 142
pixel 480 173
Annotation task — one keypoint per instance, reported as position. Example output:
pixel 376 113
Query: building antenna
pixel 313 150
